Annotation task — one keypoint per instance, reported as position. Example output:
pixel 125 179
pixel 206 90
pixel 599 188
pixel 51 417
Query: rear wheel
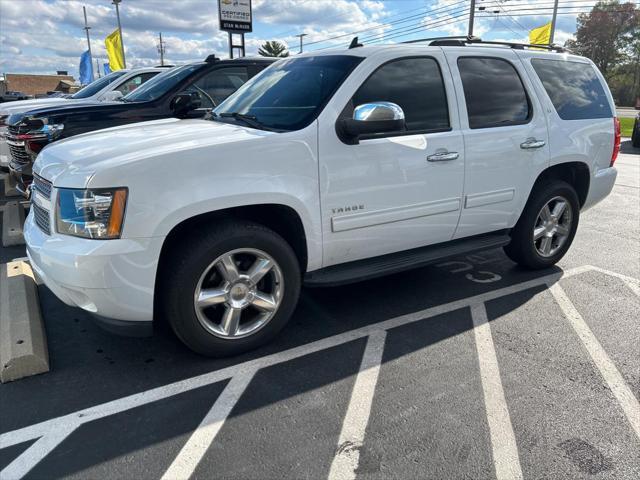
pixel 232 289
pixel 546 227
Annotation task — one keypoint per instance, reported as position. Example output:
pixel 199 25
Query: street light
pixel 301 35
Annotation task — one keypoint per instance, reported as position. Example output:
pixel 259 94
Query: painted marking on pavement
pixel 28 459
pixel 192 452
pixel 503 440
pixel 612 376
pixel 54 429
pixel 345 462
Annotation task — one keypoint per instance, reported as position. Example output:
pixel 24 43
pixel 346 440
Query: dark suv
pixel 188 91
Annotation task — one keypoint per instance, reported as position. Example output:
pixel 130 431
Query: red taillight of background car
pixel 616 140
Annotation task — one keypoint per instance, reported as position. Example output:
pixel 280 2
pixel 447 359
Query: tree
pixel 606 35
pixel 273 49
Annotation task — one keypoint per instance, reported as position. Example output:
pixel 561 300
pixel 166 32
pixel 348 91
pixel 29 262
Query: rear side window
pixel 416 85
pixel 574 89
pixel 494 92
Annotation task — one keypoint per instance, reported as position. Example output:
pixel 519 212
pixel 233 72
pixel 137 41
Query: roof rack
pixel 463 41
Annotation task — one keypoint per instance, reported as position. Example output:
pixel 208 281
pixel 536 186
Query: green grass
pixel 626 126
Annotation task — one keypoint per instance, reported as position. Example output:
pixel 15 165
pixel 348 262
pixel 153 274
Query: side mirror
pixel 185 102
pixel 112 96
pixel 372 118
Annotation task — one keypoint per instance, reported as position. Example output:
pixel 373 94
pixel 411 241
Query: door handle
pixel 531 143
pixel 443 157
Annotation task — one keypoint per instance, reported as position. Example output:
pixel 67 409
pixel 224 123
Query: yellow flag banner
pixel 541 35
pixel 113 42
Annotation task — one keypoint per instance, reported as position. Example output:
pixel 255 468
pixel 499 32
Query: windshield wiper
pixel 250 120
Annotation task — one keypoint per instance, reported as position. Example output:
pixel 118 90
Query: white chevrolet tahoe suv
pixel 326 168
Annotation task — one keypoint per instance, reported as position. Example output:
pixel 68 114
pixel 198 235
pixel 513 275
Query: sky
pixel 43 36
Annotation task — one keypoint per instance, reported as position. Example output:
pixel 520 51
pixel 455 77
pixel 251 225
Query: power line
pixel 449 15
pixel 382 25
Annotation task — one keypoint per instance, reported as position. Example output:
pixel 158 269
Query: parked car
pixel 108 88
pixel 635 135
pixel 189 91
pixel 12 96
pixel 326 168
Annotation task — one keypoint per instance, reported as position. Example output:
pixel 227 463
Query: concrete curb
pixel 23 341
pixel 10 188
pixel 12 222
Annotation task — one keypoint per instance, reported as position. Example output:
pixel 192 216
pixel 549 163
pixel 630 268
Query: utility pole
pixel 98 67
pixel 161 50
pixel 116 3
pixel 472 12
pixel 86 29
pixel 301 35
pixel 553 22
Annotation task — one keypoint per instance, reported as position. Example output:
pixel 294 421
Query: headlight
pixel 94 213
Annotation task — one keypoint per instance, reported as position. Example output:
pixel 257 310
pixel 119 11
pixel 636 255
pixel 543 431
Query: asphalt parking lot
pixel 472 368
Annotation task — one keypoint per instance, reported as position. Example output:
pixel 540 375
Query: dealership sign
pixel 235 15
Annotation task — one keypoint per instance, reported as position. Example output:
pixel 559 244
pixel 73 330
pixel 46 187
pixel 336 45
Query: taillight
pixel 616 140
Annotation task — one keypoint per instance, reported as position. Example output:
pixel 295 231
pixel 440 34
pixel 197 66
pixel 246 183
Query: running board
pixel 366 269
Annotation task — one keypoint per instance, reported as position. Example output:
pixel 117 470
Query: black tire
pixel 187 265
pixel 522 249
pixel 635 136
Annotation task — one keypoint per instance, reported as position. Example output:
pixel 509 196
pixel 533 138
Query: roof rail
pixel 448 41
pixel 462 41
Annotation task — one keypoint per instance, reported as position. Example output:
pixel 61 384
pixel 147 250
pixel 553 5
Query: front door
pixel 394 191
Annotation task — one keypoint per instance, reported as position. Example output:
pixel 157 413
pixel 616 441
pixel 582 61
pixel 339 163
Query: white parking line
pixel 612 376
pixel 345 462
pixel 192 452
pixel 632 283
pixel 159 393
pixel 35 453
pixel 503 440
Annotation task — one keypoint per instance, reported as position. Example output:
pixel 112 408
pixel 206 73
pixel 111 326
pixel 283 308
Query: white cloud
pixel 46 35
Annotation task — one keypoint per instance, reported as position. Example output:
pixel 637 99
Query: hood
pixel 73 161
pixel 63 109
pixel 10 108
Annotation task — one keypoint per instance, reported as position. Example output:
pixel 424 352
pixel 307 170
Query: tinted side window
pixel 134 82
pixel 217 85
pixel 416 85
pixel 574 89
pixel 494 92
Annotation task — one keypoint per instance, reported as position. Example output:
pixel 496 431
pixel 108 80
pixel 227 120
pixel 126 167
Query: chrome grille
pixel 19 154
pixel 42 185
pixel 17 129
pixel 41 217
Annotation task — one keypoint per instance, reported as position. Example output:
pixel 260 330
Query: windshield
pixel 94 87
pixel 161 84
pixel 290 94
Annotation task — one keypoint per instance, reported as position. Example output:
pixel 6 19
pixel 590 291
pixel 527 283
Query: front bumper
pixel 112 279
pixel 601 185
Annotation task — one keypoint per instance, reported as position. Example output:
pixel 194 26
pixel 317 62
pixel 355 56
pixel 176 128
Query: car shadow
pixel 627 147
pixel 90 366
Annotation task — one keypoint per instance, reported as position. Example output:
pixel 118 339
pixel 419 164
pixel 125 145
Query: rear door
pixel 505 136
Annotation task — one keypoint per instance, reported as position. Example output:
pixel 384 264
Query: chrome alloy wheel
pixel 553 226
pixel 238 293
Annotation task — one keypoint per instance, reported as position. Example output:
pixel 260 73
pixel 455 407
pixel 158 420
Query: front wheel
pixel 231 289
pixel 546 227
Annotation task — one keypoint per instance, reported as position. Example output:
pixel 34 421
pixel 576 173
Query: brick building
pixel 38 84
